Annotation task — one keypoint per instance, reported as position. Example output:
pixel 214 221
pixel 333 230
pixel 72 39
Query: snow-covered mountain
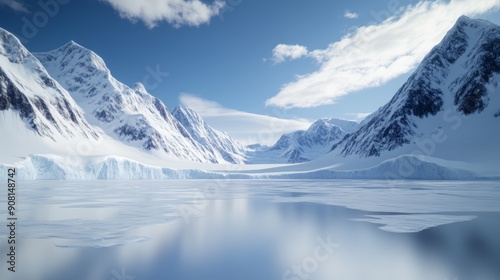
pixel 128 114
pixel 449 107
pixel 218 143
pixel 441 124
pixel 29 93
pixel 305 145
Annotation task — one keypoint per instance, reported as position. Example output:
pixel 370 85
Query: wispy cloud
pixel 175 12
pixel 15 5
pixel 283 52
pixel 247 128
pixel 375 54
pixel 350 15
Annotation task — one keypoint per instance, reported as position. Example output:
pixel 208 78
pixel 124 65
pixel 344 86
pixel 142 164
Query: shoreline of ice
pixel 51 167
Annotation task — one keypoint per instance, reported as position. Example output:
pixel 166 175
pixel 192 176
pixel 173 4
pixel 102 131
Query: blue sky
pixel 241 59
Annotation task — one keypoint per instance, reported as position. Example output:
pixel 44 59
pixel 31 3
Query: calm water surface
pixel 259 230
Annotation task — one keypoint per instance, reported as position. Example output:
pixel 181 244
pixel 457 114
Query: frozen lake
pixel 254 229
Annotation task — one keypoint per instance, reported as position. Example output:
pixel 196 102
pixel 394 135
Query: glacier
pixel 51 167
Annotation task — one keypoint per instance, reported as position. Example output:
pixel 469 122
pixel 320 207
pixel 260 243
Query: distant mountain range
pixel 445 116
pixel 304 145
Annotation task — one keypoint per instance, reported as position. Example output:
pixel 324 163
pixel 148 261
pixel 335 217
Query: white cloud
pixel 247 128
pixel 175 12
pixel 15 5
pixel 374 54
pixel 283 52
pixel 350 15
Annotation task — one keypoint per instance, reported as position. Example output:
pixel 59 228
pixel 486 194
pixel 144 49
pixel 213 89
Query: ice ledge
pixel 413 222
pixel 51 167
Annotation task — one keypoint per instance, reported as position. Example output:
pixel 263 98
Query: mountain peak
pixel 6 36
pixel 73 44
pixel 465 29
pixel 76 68
pixel 216 142
pixel 74 55
pixel 458 75
pixel 70 46
pixel 11 47
pixel 185 108
pixel 31 93
pixel 320 123
pixel 465 20
pixel 345 125
pixel 139 87
pixel 190 116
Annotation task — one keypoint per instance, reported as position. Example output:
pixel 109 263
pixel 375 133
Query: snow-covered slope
pixel 448 108
pixel 302 146
pixel 28 92
pixel 130 115
pixel 218 143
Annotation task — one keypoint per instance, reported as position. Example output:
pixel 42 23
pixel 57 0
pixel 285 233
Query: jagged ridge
pixel 218 143
pixel 131 115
